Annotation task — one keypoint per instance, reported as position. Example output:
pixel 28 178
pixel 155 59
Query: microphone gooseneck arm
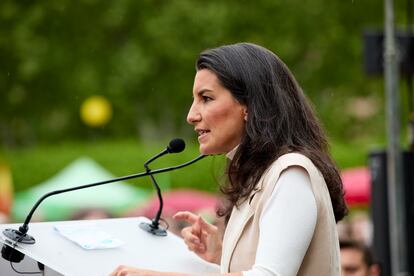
pixel 153 158
pixel 21 236
pixel 24 228
pixel 155 222
pixel 176 145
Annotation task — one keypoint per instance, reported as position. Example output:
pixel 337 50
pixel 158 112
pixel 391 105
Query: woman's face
pixel 218 118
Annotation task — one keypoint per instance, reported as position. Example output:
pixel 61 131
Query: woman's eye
pixel 206 98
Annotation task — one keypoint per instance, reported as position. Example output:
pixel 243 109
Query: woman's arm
pixel 131 271
pixel 286 226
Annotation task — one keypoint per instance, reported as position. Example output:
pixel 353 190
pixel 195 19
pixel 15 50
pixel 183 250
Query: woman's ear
pixel 245 114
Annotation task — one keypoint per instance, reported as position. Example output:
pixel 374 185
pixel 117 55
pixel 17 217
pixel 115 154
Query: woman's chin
pixel 205 150
pixel 209 151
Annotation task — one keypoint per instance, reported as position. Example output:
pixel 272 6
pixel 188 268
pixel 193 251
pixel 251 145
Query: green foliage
pixel 140 55
pixel 32 166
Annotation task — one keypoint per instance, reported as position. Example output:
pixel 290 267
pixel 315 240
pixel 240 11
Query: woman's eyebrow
pixel 202 91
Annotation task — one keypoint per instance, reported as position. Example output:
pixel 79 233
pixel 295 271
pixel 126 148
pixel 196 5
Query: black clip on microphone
pixel 175 146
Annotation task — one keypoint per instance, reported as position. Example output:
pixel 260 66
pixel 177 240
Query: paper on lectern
pixel 88 236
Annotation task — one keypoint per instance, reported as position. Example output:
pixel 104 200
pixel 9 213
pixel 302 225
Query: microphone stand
pixel 21 235
pixel 153 227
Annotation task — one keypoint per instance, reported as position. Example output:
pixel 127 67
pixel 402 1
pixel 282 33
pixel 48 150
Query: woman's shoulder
pixel 293 159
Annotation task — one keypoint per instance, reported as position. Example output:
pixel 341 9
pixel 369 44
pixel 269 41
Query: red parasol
pixel 181 200
pixel 357 186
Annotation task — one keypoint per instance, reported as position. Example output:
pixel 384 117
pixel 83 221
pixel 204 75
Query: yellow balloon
pixel 96 111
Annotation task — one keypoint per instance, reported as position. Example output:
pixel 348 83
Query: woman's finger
pixel 186 216
pixel 209 228
pixel 117 270
pixel 189 237
pixel 193 242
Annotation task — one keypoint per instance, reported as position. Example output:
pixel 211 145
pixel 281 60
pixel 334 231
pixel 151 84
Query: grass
pixel 31 166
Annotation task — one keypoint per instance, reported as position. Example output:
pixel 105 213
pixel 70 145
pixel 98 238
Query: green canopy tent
pixel 114 197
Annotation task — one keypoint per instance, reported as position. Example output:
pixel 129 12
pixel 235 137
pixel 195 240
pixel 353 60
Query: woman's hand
pixel 123 270
pixel 201 237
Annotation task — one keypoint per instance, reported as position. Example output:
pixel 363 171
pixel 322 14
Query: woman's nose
pixel 193 115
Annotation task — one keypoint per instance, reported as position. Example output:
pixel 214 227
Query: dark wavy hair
pixel 280 120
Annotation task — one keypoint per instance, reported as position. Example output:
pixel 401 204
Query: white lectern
pixel 141 249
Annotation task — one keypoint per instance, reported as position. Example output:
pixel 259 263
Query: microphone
pixel 21 236
pixel 175 146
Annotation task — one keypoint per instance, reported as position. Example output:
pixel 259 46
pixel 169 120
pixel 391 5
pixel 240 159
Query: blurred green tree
pixel 140 55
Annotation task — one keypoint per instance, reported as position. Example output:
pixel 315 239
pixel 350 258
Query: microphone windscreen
pixel 176 145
